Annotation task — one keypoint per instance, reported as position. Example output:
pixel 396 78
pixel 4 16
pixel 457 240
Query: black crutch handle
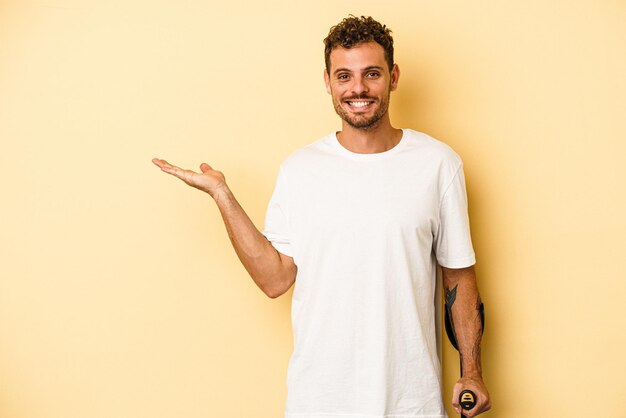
pixel 467 400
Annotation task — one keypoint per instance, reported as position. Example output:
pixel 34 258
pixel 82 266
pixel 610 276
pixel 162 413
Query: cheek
pixel 336 94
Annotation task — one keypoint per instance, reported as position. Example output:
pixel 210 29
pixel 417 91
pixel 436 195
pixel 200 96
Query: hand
pixel 208 180
pixel 476 385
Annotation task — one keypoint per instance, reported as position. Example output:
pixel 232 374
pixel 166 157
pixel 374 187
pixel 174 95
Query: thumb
pixel 456 391
pixel 204 167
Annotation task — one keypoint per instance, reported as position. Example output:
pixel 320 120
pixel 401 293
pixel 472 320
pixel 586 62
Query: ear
pixel 395 76
pixel 327 81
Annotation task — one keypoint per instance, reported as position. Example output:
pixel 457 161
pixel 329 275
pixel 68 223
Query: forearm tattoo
pixel 451 297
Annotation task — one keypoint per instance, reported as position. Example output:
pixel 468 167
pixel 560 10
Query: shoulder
pixel 438 161
pixel 312 153
pixel 431 148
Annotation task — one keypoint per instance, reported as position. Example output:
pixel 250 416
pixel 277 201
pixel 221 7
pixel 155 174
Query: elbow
pixel 275 291
pixel 272 294
pixel 277 280
pixel 277 287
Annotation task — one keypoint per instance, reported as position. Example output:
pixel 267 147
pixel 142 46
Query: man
pixel 358 221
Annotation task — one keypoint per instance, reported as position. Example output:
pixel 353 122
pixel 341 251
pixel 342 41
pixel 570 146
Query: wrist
pixel 220 193
pixel 472 372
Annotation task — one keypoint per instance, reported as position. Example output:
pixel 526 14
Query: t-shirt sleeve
pixel 276 228
pixel 453 243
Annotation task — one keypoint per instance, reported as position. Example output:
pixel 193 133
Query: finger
pixel 184 175
pixel 483 405
pixel 456 392
pixel 168 168
pixel 486 406
pixel 204 167
pixel 477 410
pixel 161 163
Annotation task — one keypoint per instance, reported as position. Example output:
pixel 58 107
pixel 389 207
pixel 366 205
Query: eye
pixel 373 74
pixel 342 77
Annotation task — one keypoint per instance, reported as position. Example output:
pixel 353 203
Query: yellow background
pixel 119 293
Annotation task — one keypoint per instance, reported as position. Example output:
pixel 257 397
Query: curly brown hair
pixel 353 31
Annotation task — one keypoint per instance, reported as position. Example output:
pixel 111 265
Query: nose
pixel 359 85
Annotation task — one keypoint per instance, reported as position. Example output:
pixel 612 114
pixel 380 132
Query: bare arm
pixel 272 271
pixel 464 300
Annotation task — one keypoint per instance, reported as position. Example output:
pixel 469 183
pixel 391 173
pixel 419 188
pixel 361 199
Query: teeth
pixel 358 104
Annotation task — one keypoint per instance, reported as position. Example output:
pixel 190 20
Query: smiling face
pixel 360 84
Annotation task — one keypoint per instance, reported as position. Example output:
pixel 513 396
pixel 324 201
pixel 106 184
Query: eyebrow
pixel 371 67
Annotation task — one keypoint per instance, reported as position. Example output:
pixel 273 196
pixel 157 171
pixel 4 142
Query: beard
pixel 360 121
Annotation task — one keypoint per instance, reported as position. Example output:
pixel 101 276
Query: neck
pixel 379 138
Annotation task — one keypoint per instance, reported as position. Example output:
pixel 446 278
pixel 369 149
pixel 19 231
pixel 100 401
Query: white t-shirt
pixel 366 232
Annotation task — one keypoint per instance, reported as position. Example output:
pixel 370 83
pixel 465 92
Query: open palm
pixel 208 179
